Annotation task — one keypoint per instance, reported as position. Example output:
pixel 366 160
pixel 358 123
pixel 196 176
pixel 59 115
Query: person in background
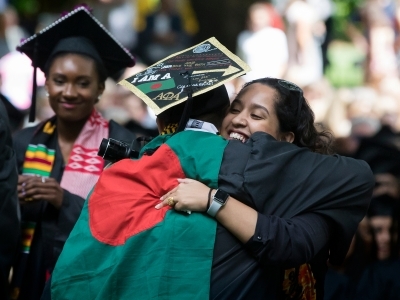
pixel 380 279
pixel 57 159
pixel 9 210
pixel 16 117
pixel 374 247
pixel 164 33
pixel 305 56
pixel 254 45
pixel 121 19
pixel 13 31
pixel 383 221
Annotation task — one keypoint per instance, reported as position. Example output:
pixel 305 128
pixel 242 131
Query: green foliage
pixel 343 11
pixel 346 67
pixel 26 7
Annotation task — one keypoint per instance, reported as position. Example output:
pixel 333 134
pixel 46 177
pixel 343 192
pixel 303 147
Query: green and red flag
pixel 156 86
pixel 123 248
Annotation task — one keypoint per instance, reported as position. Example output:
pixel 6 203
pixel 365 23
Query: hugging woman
pixel 271 209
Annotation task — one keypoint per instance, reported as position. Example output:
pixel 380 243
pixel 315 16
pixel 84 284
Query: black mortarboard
pixel 76 32
pixel 383 205
pixel 381 152
pixel 210 101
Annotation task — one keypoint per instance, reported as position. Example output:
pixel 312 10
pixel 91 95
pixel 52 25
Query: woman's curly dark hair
pixel 289 98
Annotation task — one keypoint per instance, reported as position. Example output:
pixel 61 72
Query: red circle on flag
pixel 156 86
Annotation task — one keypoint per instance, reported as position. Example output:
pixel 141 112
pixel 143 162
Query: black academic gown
pixel 309 205
pixel 380 281
pixel 54 226
pixel 9 221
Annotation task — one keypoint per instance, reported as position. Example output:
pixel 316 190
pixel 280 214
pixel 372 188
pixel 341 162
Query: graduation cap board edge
pixel 201 68
pixel 77 24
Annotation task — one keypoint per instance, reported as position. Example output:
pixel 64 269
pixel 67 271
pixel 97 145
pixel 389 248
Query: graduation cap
pixel 381 152
pixel 184 76
pixel 383 205
pixel 76 32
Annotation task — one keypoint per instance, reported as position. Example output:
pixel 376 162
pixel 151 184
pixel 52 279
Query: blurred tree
pixel 344 13
pixel 29 10
pixel 223 19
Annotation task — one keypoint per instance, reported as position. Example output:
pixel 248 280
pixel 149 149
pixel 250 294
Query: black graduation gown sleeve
pixel 284 180
pixel 288 241
pixel 9 220
pixel 307 203
pixel 380 280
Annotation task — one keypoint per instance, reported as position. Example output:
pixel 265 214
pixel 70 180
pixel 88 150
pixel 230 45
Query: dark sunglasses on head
pixel 291 87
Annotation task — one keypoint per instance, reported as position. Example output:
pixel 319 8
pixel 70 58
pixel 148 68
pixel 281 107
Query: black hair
pixel 210 106
pixel 174 114
pixel 101 70
pixel 295 115
pixel 386 206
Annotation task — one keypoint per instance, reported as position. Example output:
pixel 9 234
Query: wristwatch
pixel 219 199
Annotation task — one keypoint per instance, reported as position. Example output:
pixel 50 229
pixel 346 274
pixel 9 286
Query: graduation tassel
pixel 32 111
pixel 188 106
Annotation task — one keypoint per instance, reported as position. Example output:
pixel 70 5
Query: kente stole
pixel 84 165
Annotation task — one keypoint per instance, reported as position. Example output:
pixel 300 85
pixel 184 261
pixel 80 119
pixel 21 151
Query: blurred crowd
pixel 288 39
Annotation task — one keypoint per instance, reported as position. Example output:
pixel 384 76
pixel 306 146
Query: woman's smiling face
pixel 73 86
pixel 253 110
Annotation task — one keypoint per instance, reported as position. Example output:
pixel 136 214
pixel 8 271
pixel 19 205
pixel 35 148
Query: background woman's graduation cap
pixel 76 32
pixel 381 151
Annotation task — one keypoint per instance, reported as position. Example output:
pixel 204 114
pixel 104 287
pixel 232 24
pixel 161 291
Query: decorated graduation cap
pixel 76 32
pixel 184 75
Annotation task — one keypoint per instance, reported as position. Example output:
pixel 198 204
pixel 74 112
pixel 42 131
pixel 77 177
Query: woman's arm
pixel 289 242
pixel 271 239
pixel 238 218
pixel 192 195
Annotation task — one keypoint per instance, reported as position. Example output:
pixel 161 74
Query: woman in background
pixel 57 159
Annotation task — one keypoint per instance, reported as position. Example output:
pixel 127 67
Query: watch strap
pixel 214 208
pixel 217 202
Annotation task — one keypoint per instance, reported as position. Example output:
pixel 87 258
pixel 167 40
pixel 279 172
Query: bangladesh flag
pixel 156 86
pixel 123 248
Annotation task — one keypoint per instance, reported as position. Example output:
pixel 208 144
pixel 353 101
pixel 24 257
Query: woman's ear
pixel 102 87
pixel 287 136
pixel 160 124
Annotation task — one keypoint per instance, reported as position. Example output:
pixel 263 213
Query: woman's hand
pixel 34 188
pixel 189 195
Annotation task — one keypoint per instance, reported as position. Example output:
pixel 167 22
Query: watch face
pixel 221 196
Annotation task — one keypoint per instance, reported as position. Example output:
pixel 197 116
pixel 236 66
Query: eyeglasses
pixel 295 89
